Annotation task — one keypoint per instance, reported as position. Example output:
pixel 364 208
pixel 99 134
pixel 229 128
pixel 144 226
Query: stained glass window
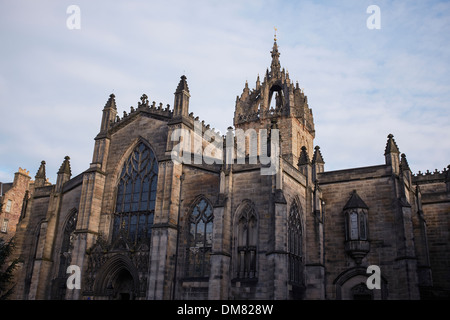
pixel 362 227
pixel 246 243
pixel 136 196
pixel 295 244
pixel 65 257
pixel 353 226
pixel 357 225
pixel 200 239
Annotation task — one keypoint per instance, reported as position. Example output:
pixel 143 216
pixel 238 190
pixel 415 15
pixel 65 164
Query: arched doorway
pixel 352 285
pixel 123 286
pixel 117 280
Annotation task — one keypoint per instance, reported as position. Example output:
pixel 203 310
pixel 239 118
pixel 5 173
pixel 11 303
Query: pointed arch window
pixel 295 244
pixel 276 101
pixel 65 257
pixel 200 239
pixel 136 196
pixel 247 243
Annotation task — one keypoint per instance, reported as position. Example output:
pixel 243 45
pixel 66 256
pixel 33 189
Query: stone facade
pixel 170 209
pixel 12 198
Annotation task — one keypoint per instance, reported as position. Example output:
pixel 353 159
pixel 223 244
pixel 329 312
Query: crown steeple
pixel 276 99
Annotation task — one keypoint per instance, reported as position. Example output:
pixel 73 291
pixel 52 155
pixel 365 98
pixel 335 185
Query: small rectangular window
pixel 8 206
pixel 5 225
pixel 362 227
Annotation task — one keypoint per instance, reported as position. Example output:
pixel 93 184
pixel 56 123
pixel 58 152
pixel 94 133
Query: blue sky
pixel 361 84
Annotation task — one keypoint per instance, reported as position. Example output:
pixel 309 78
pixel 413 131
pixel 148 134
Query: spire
pixel 305 167
pixel 182 95
pixel 65 166
pixel 275 65
pixel 404 166
pixel 64 174
pixel 109 115
pixel 303 158
pixel 391 154
pixel 318 163
pixel 41 171
pixel 111 103
pixel 391 146
pixel 246 90
pixel 182 85
pixel 40 176
pixel 317 157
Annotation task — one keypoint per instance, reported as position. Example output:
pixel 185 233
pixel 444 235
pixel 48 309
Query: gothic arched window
pixel 59 284
pixel 295 244
pixel 136 196
pixel 246 242
pixel 200 239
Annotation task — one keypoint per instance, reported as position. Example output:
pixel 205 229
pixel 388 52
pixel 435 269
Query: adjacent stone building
pixel 13 195
pixel 170 209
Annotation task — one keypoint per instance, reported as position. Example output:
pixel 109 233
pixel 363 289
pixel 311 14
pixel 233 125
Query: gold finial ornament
pixel 275 35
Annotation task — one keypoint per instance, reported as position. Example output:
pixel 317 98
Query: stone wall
pixel 15 194
pixel 436 210
pixel 377 188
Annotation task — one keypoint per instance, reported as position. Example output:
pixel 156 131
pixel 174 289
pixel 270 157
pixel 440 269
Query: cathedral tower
pixel 277 102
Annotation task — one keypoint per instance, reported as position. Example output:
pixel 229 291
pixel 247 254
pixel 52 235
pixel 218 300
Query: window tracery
pixel 295 244
pixel 136 196
pixel 247 243
pixel 200 239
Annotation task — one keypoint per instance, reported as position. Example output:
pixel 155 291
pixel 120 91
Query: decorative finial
pixel 275 35
pixel 65 166
pixel 144 100
pixel 41 171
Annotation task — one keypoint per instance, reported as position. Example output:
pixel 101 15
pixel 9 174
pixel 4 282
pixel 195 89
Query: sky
pixel 362 83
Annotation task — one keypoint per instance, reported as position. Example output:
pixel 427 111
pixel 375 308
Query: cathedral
pixel 139 224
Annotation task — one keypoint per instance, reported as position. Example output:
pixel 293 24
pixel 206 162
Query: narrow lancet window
pixel 247 243
pixel 295 244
